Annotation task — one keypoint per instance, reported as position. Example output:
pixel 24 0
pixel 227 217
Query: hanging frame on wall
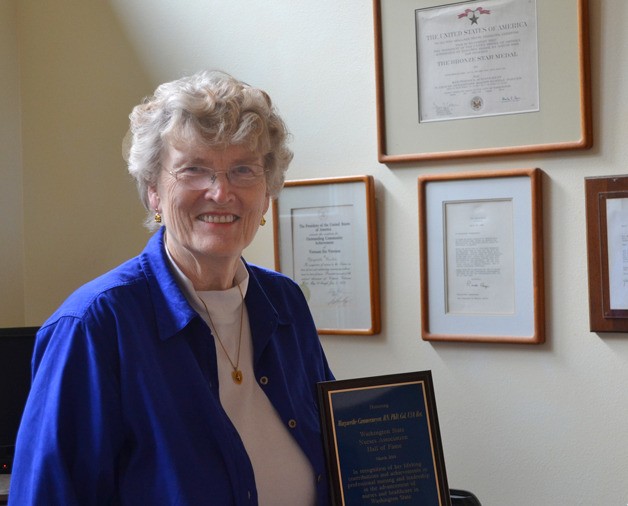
pixel 458 80
pixel 481 257
pixel 607 252
pixel 325 237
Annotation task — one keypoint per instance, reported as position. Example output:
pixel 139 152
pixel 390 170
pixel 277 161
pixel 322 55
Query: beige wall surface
pixel 542 425
pixel 11 204
pixel 79 80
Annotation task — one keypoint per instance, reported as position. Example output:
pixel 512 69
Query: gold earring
pixel 263 222
pixel 157 217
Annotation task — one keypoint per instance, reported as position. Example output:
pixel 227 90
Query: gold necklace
pixel 236 374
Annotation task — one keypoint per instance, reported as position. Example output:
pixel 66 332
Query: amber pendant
pixel 237 376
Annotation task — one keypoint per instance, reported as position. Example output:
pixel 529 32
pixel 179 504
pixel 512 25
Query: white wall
pixel 543 425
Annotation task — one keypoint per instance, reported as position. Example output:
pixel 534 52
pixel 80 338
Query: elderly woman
pixel 185 376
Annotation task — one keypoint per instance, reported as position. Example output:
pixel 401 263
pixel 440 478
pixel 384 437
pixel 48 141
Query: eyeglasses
pixel 200 178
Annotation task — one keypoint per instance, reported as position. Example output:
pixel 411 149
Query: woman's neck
pixel 206 274
pixel 214 277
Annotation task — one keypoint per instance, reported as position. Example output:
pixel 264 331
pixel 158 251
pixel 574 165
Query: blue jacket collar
pixel 174 312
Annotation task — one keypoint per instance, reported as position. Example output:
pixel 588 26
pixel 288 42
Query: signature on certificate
pixel 475 283
pixel 338 298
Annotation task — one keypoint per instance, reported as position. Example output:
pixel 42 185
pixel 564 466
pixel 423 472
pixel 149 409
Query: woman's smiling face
pixel 207 227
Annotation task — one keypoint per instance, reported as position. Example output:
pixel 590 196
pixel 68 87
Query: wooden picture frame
pixel 325 238
pixel 557 117
pixel 481 257
pixel 607 252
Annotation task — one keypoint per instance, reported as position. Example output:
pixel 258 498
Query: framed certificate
pixel 325 239
pixel 481 257
pixel 383 442
pixel 461 79
pixel 607 252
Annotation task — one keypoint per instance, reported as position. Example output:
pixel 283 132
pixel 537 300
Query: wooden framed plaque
pixel 382 440
pixel 607 252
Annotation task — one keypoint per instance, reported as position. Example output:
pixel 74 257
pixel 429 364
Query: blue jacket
pixel 124 406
